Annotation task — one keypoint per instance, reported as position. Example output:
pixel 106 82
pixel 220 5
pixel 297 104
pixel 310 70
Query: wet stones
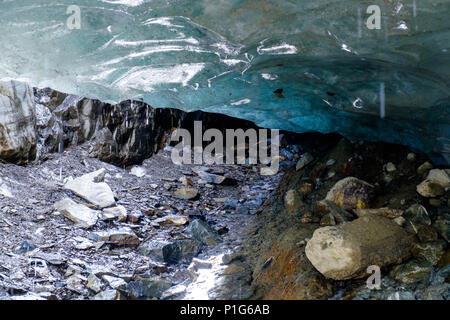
pixel 78 213
pixel 203 233
pixel 153 249
pixel 345 251
pixel 351 193
pixel 430 251
pixel 91 188
pixel 412 272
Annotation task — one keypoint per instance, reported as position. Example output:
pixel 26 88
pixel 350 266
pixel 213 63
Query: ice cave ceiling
pixel 299 65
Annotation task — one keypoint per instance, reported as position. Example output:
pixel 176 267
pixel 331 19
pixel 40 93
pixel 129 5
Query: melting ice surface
pixel 298 65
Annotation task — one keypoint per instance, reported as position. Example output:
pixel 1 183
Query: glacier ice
pixel 297 65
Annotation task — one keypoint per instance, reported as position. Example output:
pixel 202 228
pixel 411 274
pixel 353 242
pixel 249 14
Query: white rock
pixel 90 187
pixel 78 213
pixel 138 171
pixel 411 156
pixel 390 167
pixel 118 212
pixel 440 176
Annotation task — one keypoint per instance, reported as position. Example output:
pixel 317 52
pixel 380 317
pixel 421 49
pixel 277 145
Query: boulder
pixel 78 213
pixel 345 251
pixel 17 123
pixel 351 193
pixel 91 188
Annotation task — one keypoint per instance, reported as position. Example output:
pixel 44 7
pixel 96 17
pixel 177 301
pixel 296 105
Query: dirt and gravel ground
pixel 40 249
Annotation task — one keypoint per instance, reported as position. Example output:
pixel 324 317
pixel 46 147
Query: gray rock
pixel 107 295
pixel 17 122
pixel 78 213
pixel 94 283
pixel 115 282
pixel 203 233
pixel 122 236
pixel 304 160
pixel 146 288
pixel 174 292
